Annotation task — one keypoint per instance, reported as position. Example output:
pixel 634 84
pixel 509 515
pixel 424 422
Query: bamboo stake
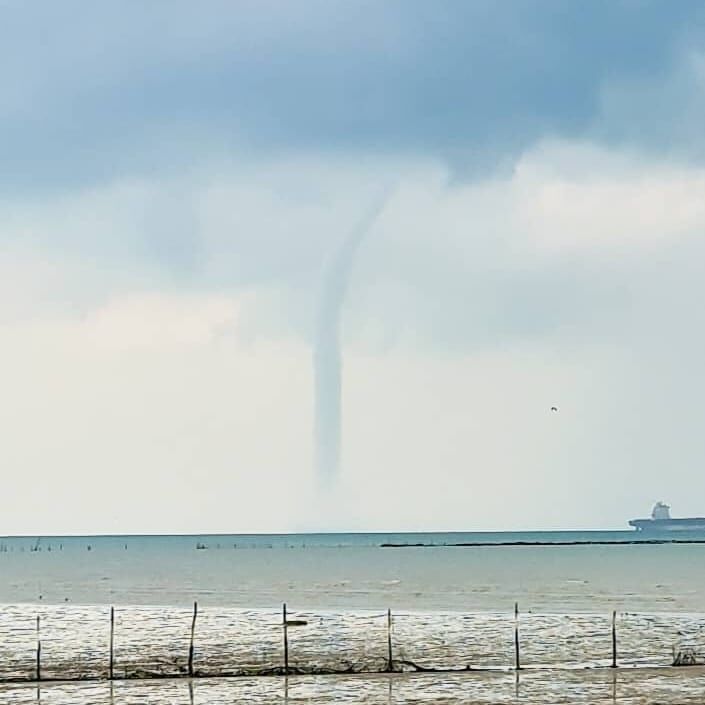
pixel 517 662
pixel 39 653
pixel 286 641
pixel 614 639
pixel 193 634
pixel 112 640
pixel 390 665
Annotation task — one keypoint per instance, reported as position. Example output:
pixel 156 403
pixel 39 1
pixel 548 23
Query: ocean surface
pixel 352 571
pixel 436 605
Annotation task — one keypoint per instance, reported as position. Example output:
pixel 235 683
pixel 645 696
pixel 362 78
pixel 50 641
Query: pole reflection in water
pixel 666 686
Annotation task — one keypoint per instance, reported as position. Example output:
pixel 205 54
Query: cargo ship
pixel 661 520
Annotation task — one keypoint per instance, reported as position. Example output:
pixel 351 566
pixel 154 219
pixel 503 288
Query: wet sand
pixel 666 686
pixel 154 641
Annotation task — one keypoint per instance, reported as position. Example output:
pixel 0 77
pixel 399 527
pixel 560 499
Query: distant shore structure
pixel 661 520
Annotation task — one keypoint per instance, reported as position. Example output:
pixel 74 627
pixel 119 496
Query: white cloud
pixel 139 399
pixel 155 320
pixel 149 414
pixel 588 198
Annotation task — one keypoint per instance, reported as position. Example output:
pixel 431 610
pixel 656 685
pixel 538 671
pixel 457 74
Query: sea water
pixel 353 571
pixel 451 607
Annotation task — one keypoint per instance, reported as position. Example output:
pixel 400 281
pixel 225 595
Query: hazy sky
pixel 177 178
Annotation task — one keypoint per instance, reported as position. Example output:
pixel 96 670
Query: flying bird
pixel 554 408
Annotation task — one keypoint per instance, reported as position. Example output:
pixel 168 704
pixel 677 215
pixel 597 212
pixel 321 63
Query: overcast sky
pixel 177 178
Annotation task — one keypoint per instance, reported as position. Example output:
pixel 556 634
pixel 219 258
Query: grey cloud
pixel 664 114
pixel 122 87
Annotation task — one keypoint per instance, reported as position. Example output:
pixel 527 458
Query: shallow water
pixel 154 641
pixel 597 687
pixel 351 572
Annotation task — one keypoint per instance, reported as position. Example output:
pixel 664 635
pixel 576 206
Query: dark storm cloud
pixel 93 92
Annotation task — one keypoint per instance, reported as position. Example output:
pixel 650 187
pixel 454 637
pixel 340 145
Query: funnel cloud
pixel 327 356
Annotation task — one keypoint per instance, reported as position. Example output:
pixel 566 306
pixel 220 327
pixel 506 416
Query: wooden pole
pixel 112 640
pixel 517 662
pixel 286 641
pixel 390 663
pixel 39 653
pixel 614 639
pixel 193 634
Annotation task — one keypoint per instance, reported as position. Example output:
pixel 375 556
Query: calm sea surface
pixel 352 571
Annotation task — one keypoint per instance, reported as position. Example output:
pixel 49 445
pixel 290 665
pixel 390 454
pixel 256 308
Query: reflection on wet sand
pixel 668 686
pixel 154 642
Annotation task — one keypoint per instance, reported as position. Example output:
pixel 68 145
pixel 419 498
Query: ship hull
pixel 669 525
